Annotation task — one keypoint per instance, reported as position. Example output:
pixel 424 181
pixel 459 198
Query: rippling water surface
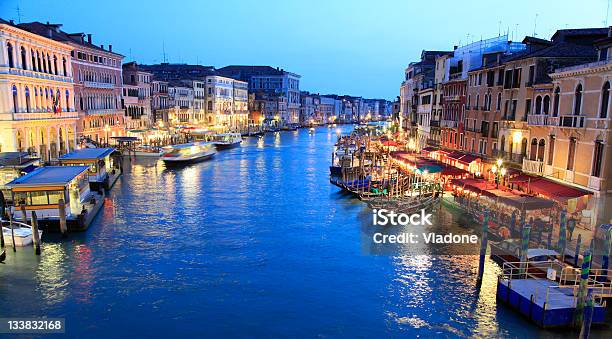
pixel 255 242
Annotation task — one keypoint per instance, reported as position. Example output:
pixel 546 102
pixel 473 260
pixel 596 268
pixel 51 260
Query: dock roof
pixel 87 153
pixel 50 175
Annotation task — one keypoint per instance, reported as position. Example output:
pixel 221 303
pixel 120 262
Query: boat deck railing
pixel 599 280
pixel 7 223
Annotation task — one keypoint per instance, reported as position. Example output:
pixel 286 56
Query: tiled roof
pixel 53 31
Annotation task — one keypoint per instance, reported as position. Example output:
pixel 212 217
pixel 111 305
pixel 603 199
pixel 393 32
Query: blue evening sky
pixel 345 47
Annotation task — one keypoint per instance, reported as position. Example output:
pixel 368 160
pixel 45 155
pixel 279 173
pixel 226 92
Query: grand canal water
pixel 255 242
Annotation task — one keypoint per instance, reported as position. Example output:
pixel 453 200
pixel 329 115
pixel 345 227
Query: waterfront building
pixel 269 107
pixel 309 107
pixel 329 108
pixel 460 107
pixel 570 129
pixel 97 82
pixel 181 94
pixel 274 81
pixel 137 108
pixel 418 76
pixel 527 88
pixel 226 102
pixel 160 102
pixel 37 112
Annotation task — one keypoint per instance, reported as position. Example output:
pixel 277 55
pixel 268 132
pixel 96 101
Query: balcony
pixel 598 123
pixel 45 116
pixel 552 121
pixel 572 121
pixel 513 157
pixel 448 124
pixel 93 84
pixel 533 166
pixel 39 75
pixel 595 183
pixel 536 120
pixel 103 111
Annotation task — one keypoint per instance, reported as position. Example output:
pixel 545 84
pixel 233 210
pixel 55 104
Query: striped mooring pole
pixel 582 289
pixel 483 244
pixel 577 253
pixel 526 230
pixel 606 251
pixel 585 330
pixel 562 234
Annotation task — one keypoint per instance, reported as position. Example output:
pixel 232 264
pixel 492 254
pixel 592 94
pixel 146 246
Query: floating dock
pixel 545 302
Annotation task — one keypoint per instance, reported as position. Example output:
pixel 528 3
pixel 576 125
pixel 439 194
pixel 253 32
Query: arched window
pixel 15 103
pixel 534 149
pixel 503 144
pixel 541 147
pixel 498 104
pixel 524 147
pixel 40 69
pixel 27 95
pixel 556 102
pixel 11 62
pixel 67 100
pixel 33 56
pixel 64 67
pixel 477 102
pixel 578 101
pixel 55 64
pixel 605 100
pixel 538 105
pixel 23 58
pixel 49 70
pixel 546 104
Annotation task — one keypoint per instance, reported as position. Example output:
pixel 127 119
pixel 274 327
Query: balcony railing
pixel 552 121
pixel 536 120
pixel 94 84
pixel 573 121
pixel 598 123
pixel 45 115
pixel 448 123
pixel 513 157
pixel 40 75
pixel 533 166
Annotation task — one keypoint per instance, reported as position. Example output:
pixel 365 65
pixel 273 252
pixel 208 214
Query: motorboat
pixel 148 151
pixel 22 232
pixel 188 153
pixel 226 140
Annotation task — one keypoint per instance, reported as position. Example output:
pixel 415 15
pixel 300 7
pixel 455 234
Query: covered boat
pixel 188 153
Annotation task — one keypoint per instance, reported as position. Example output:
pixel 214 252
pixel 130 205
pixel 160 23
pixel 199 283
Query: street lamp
pixel 498 171
pixel 106 129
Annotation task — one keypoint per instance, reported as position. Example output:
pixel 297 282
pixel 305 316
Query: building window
pixel 27 95
pixel 605 100
pixel 556 102
pixel 11 62
pixel 551 150
pixel 538 105
pixel 534 149
pixel 578 100
pixel 541 146
pixel 546 105
pixel 528 106
pixel 15 107
pixel 498 104
pixel 23 58
pixel 597 158
pixel 571 154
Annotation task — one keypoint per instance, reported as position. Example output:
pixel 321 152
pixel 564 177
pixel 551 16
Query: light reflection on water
pixel 254 242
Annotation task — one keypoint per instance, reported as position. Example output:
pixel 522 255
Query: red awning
pixel 428 149
pixel 455 155
pixel 468 158
pixel 389 143
pixel 555 190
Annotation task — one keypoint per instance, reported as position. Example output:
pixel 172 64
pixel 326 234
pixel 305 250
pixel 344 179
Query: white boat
pixel 226 140
pixel 189 152
pixel 148 151
pixel 23 235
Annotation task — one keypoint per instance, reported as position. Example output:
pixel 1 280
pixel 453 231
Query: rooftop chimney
pixel 89 38
pixel 102 46
pixel 110 48
pixel 12 22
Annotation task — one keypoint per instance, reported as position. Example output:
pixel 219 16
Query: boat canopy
pixel 49 175
pixel 87 154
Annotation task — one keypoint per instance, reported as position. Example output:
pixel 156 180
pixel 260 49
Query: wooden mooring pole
pixel 12 232
pixel 483 245
pixel 62 216
pixel 35 234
